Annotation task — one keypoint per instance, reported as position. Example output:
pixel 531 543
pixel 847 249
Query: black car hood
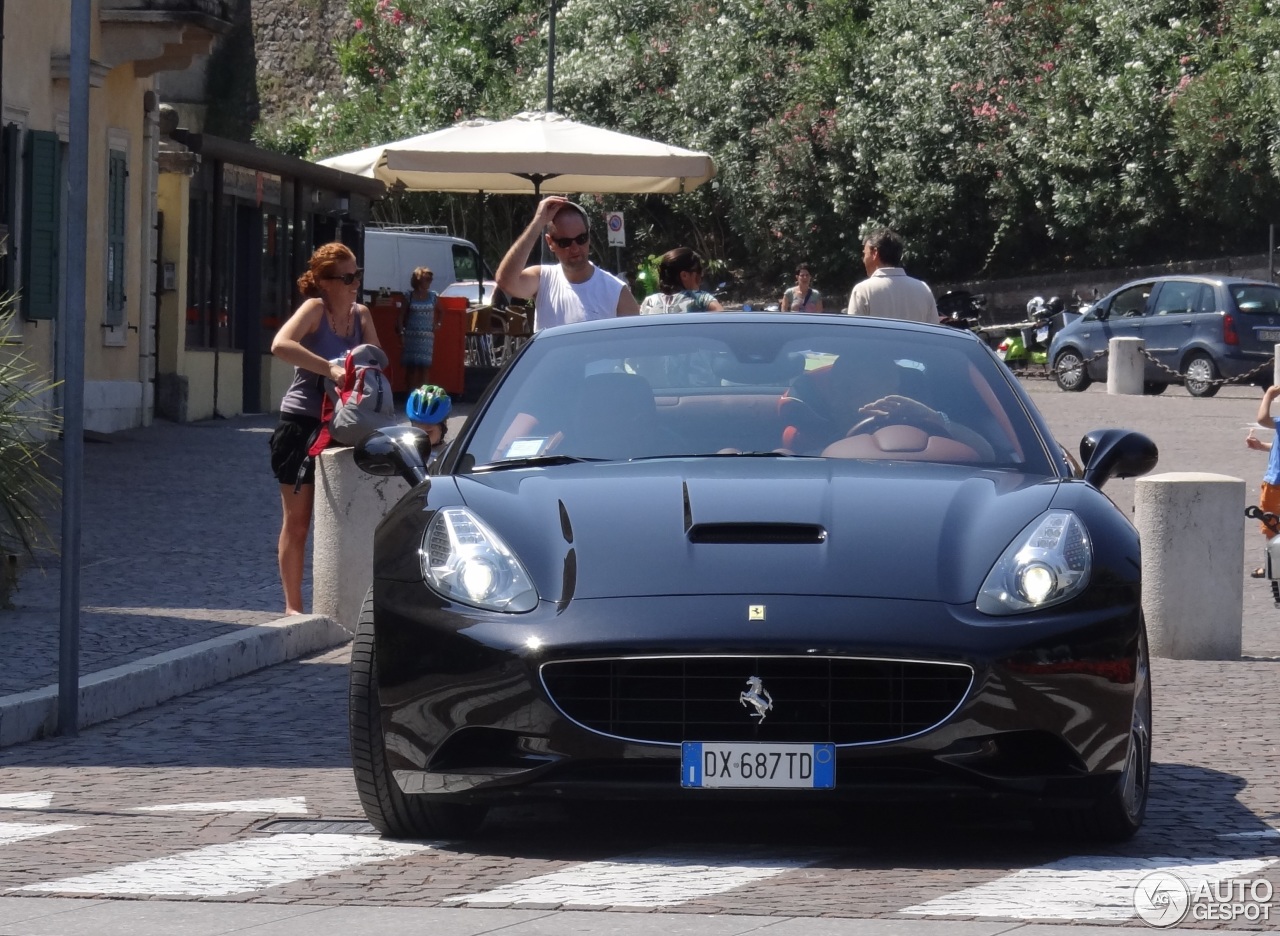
pixel 888 530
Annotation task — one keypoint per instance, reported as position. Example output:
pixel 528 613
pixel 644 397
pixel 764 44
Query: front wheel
pixel 1069 371
pixel 1199 375
pixel 1117 815
pixel 388 809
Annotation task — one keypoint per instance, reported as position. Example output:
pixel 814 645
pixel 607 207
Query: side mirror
pixel 397 450
pixel 1116 453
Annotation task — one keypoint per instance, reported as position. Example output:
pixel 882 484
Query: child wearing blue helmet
pixel 428 408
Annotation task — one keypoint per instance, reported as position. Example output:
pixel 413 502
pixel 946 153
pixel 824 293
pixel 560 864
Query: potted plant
pixel 26 425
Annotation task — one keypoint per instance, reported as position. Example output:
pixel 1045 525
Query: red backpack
pixel 363 404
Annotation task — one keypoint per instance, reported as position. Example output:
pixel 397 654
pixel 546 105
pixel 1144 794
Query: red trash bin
pixel 448 361
pixel 386 312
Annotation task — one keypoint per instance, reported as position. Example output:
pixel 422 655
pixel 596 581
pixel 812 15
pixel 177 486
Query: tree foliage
pixel 994 135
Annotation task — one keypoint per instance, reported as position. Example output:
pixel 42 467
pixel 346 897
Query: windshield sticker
pixel 525 447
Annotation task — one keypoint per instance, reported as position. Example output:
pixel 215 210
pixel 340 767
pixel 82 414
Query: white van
pixel 391 252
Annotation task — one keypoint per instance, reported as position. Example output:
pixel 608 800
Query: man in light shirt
pixel 888 292
pixel 572 290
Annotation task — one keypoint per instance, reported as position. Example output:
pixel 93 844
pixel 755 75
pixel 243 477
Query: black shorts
pixel 289 444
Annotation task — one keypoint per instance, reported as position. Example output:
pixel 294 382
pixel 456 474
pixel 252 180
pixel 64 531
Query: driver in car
pixel 861 396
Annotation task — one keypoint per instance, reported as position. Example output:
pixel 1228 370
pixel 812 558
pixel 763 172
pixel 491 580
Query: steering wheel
pixel 933 427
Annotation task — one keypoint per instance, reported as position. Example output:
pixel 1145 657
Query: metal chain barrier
pixel 1219 382
pixel 1047 372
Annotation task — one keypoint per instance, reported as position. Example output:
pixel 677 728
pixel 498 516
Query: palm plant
pixel 26 486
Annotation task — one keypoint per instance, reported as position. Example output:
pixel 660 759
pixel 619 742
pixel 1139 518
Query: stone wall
pixel 1007 298
pixel 293 45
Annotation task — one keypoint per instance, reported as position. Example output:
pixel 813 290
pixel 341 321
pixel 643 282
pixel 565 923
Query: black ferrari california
pixel 758 557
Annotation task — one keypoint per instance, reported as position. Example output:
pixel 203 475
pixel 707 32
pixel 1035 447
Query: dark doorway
pixel 248 302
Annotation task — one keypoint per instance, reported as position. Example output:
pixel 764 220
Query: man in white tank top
pixel 572 290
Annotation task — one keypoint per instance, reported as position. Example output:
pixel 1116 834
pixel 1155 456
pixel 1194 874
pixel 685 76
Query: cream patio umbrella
pixel 532 153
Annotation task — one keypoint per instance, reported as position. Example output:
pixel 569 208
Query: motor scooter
pixel 961 309
pixel 1027 343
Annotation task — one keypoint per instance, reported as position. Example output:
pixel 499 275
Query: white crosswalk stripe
pixel 20 831
pixel 1077 888
pixel 25 800
pixel 236 867
pixel 284 805
pixel 648 879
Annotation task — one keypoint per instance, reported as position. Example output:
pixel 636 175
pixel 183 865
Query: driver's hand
pixel 897 408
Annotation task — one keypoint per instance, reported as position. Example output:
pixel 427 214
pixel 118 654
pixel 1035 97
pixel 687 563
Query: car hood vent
pixel 810 533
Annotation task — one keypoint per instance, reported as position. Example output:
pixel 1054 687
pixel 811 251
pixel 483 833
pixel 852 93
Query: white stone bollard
pixel 1125 366
pixel 349 505
pixel 1192 556
pixel 1275 367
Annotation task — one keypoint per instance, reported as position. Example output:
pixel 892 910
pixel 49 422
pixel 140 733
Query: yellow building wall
pixel 200 377
pixel 35 32
pixel 172 199
pixel 276 377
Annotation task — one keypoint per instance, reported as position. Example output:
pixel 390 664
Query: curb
pixel 26 716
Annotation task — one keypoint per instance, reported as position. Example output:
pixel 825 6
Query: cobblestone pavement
pixel 178 546
pixel 185 803
pixel 179 528
pixel 179 534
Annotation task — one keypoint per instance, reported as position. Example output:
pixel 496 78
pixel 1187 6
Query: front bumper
pixel 467 714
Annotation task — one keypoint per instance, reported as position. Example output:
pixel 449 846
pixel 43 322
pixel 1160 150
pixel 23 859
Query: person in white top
pixel 572 290
pixel 888 292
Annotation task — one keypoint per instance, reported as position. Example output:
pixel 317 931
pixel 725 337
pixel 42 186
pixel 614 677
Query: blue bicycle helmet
pixel 429 404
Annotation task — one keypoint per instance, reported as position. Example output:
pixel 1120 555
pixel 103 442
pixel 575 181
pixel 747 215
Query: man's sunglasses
pixel 348 278
pixel 564 242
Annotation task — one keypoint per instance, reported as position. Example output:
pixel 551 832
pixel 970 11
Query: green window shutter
pixel 41 230
pixel 9 153
pixel 116 175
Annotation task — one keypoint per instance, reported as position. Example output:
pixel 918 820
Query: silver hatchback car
pixel 1200 328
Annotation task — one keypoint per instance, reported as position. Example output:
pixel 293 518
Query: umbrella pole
pixel 537 197
pixel 480 247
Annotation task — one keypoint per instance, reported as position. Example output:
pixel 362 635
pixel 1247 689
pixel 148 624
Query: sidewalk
pixel 179 588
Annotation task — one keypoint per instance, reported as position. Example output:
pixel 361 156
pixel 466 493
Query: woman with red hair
pixel 328 324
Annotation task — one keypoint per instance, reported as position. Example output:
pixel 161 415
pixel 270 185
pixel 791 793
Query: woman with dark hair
pixel 679 279
pixel 328 324
pixel 802 297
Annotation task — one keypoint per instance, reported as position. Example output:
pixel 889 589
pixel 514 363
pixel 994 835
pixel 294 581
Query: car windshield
pixel 713 387
pixel 1256 298
pixel 470 291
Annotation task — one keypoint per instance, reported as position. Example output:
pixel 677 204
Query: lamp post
pixel 551 55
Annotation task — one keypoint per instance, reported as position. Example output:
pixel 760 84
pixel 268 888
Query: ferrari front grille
pixel 842 700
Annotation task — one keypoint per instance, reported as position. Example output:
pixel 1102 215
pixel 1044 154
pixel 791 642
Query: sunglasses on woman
pixel 564 242
pixel 347 278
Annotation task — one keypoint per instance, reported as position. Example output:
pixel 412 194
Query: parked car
pixel 671 557
pixel 470 290
pixel 1200 328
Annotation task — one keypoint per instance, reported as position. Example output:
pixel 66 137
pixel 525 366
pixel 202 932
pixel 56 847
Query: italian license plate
pixel 706 765
pixel 1269 334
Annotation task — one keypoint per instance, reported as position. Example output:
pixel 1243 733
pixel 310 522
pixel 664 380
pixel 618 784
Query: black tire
pixel 1118 815
pixel 389 810
pixel 1154 387
pixel 1197 374
pixel 1069 371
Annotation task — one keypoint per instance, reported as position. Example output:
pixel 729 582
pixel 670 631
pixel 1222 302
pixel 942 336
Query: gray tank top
pixel 306 393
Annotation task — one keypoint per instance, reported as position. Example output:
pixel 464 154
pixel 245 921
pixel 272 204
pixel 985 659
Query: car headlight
pixel 464 560
pixel 1046 564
